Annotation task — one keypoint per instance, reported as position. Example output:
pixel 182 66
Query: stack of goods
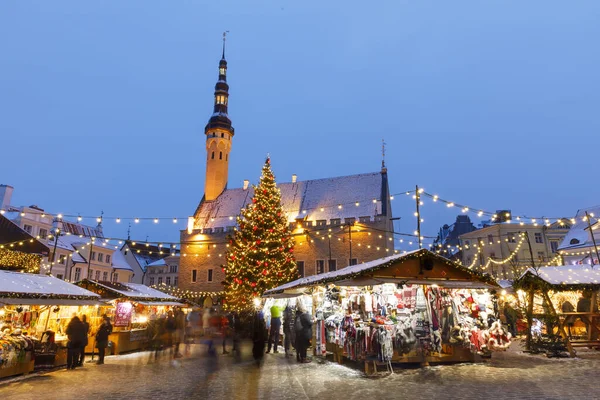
pixel 13 346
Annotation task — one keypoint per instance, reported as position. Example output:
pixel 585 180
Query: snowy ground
pixel 511 375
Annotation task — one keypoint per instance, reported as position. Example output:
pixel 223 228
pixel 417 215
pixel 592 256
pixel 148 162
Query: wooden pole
pixel 529 317
pixel 561 328
pixel 587 217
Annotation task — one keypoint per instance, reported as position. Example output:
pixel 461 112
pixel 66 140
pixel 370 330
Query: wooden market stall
pixel 133 307
pixel 417 307
pixel 569 293
pixel 34 312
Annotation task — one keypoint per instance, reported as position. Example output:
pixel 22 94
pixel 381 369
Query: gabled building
pixel 19 251
pixel 163 272
pixel 577 247
pixel 336 221
pixel 140 255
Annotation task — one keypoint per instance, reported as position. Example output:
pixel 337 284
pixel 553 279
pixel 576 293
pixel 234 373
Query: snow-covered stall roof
pixel 581 274
pixel 20 288
pixel 133 291
pixel 364 274
pixel 310 196
pixel 579 234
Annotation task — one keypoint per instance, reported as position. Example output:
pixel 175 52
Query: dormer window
pixel 574 241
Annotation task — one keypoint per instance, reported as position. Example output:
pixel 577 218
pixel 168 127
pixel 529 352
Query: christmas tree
pixel 260 255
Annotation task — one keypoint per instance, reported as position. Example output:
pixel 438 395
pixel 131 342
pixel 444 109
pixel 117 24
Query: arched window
pixel 212 156
pixel 222 134
pixel 220 155
pixel 574 241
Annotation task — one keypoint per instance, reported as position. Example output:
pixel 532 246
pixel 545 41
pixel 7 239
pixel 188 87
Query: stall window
pixel 209 278
pixel 77 274
pixel 300 265
pixel 168 280
pixel 108 259
pixel 320 266
pixel 353 261
pixel 332 265
pixel 105 276
pixel 194 275
pixel 97 275
pixel 100 257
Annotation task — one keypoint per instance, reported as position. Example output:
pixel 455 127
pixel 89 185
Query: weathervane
pixel 224 39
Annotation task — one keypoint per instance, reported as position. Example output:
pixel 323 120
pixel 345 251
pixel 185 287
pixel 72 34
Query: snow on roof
pixel 135 290
pixel 15 282
pixel 118 261
pixel 579 232
pixel 309 196
pixel 567 274
pixel 158 263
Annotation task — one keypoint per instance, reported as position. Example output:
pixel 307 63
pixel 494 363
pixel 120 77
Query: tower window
pixel 221 71
pixel 212 157
pixel 226 157
pixel 222 135
pixel 220 155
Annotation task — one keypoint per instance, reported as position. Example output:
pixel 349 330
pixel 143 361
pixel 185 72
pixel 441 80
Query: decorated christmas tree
pixel 260 255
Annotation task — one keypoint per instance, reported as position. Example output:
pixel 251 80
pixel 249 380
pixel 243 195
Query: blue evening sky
pixel 489 103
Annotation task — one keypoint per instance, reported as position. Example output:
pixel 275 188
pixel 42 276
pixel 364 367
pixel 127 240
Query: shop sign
pixel 138 334
pixel 123 313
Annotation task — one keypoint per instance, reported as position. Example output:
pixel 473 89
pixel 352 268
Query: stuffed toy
pixel 499 339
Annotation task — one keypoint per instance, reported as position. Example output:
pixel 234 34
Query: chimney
pixel 246 183
pixel 5 196
pixel 294 178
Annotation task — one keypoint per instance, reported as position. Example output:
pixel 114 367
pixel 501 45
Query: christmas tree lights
pixel 261 252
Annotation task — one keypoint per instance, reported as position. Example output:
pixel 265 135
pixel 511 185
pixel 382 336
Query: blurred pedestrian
pixel 288 329
pixel 179 335
pixel 206 321
pixel 75 332
pixel 224 326
pixel 170 328
pixel 259 336
pixel 102 338
pixel 86 327
pixel 275 328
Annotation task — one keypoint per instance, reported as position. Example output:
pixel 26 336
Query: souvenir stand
pixel 133 307
pixel 417 307
pixel 34 312
pixel 570 293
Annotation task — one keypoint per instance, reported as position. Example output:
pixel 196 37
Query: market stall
pixel 133 308
pixel 34 312
pixel 563 301
pixel 417 307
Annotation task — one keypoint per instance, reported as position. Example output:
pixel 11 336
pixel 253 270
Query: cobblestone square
pixel 511 375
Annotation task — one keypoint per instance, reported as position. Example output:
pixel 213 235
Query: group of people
pixel 168 332
pixel 297 332
pixel 77 333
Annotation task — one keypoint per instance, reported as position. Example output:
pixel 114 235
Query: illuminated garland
pixel 107 292
pixel 531 281
pixel 21 261
pixel 185 294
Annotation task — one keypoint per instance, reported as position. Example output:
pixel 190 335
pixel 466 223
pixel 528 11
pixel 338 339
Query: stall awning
pixel 416 267
pixel 161 303
pixel 49 302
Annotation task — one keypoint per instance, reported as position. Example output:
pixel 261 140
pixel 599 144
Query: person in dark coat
pixel 86 327
pixel 259 337
pixel 102 338
pixel 75 332
pixel 303 327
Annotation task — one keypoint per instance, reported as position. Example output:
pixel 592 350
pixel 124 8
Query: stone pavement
pixel 511 375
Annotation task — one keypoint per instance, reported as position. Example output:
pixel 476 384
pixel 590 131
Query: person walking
pixel 275 328
pixel 179 331
pixel 75 332
pixel 170 327
pixel 102 338
pixel 86 328
pixel 288 330
pixel 303 327
pixel 224 326
pixel 259 335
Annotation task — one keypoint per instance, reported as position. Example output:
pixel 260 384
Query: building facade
pixel 163 272
pixel 335 222
pixel 580 244
pixel 502 249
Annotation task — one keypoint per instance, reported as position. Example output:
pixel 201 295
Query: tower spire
pixel 219 134
pixel 383 143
